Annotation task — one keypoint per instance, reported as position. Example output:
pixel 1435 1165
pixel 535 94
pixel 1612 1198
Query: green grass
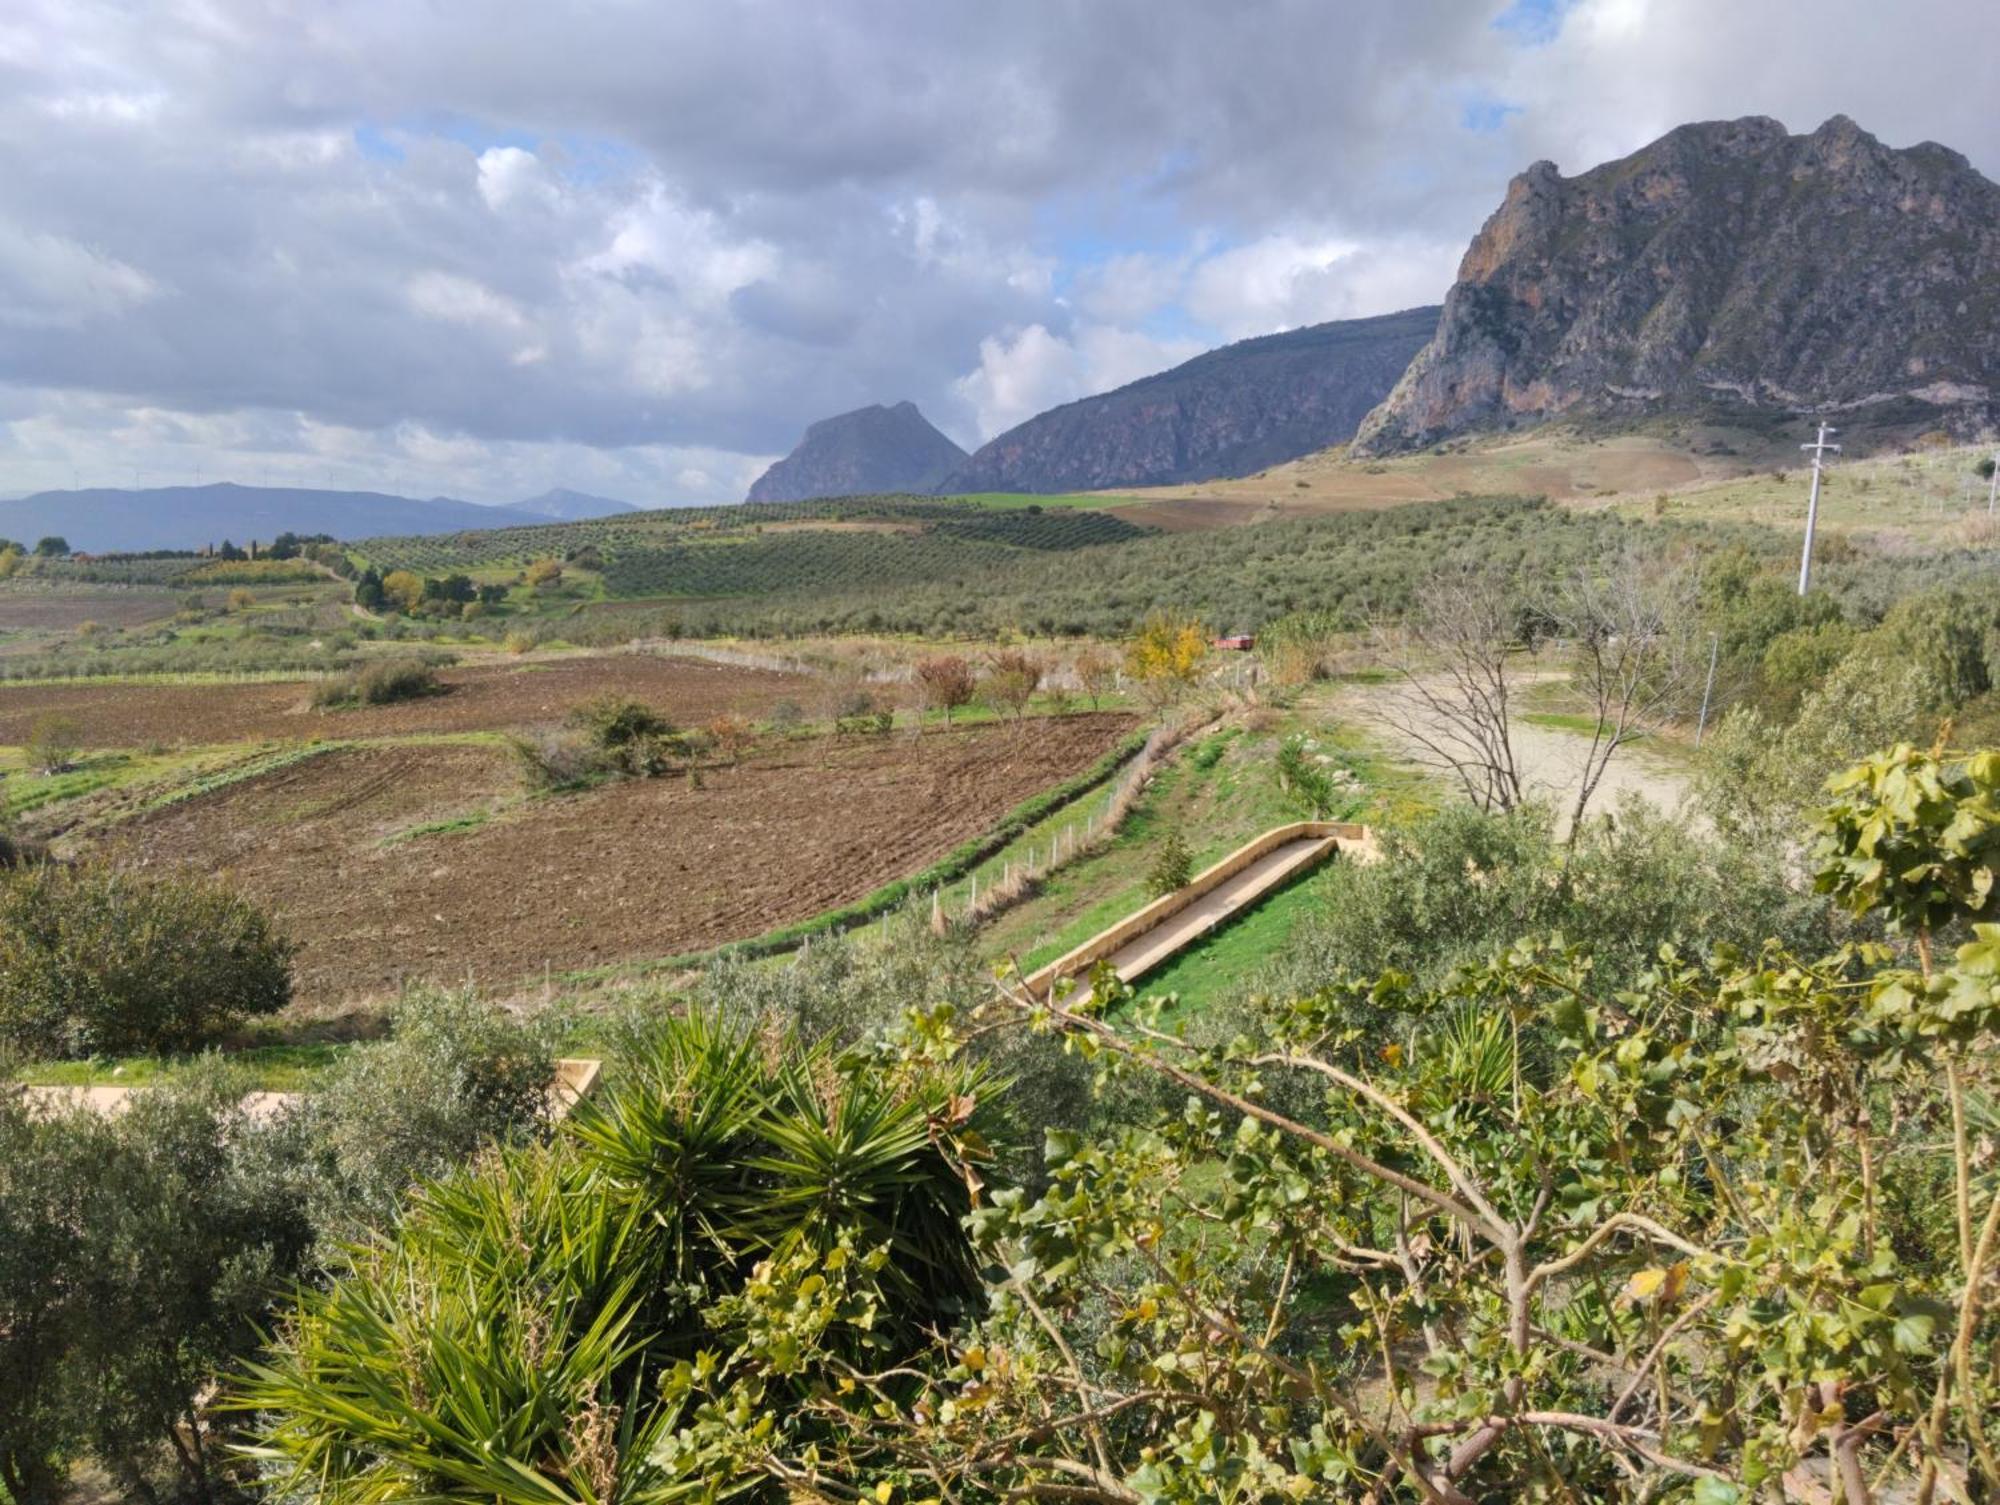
pixel 457 826
pixel 268 1068
pixel 1220 790
pixel 1564 721
pixel 1217 967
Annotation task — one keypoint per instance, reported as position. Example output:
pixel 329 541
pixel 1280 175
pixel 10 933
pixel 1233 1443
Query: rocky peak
pixel 1728 263
pixel 871 449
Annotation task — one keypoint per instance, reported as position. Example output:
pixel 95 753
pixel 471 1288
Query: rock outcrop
pixel 1728 265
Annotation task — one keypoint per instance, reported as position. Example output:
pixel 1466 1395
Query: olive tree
pixel 1512 1235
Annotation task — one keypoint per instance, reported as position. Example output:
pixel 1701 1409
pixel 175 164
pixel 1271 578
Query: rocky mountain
pixel 569 506
pixel 100 520
pixel 1726 266
pixel 870 449
pixel 1227 413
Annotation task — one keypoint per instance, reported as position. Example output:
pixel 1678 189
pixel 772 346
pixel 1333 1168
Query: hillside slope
pixel 1238 409
pixel 1726 267
pixel 187 517
pixel 872 449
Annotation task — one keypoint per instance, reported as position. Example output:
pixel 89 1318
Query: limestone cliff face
pixel 1227 413
pixel 869 450
pixel 1727 264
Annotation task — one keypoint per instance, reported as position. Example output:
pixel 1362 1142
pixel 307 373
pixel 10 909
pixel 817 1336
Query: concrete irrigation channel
pixel 1147 937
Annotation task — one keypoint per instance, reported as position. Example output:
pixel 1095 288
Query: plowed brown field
pixel 484 698
pixel 631 870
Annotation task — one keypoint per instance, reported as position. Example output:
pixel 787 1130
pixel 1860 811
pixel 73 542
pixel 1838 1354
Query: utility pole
pixel 1993 490
pixel 1820 449
pixel 1707 690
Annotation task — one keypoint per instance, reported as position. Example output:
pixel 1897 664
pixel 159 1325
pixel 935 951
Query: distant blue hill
pixel 104 519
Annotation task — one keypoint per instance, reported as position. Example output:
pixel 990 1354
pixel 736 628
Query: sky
pixel 486 247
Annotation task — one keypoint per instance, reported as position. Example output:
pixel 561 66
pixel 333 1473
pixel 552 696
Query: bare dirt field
pixel 631 870
pixel 64 611
pixel 483 698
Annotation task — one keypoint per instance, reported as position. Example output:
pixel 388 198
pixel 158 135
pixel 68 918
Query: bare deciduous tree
pixel 947 682
pixel 1627 624
pixel 1624 624
pixel 1452 650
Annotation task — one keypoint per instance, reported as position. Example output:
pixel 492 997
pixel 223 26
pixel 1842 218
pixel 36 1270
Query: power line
pixel 1820 449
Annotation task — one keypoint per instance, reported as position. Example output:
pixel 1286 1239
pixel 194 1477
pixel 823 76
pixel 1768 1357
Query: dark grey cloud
pixel 487 246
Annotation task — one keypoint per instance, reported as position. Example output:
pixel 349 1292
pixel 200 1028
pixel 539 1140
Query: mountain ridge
pixel 1726 265
pixel 110 519
pixel 1229 411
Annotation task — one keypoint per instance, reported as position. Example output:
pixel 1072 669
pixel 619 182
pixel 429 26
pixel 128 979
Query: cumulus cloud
pixel 1031 370
pixel 51 281
pixel 487 244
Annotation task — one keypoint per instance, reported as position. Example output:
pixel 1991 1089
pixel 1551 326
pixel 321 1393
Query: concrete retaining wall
pixel 1345 835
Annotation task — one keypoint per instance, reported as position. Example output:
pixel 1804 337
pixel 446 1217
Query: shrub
pixel 1164 659
pixel 616 721
pixel 53 742
pixel 139 1257
pixel 96 961
pixel 730 735
pixel 947 682
pixel 241 599
pixel 402 590
pixel 859 714
pixel 1459 884
pixel 552 759
pixel 570 1289
pixel 544 574
pixel 454 1074
pixel 1012 677
pixel 785 716
pixel 379 684
pixel 1173 865
pixel 1096 672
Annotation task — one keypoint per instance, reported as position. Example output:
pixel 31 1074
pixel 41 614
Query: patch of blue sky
pixel 1533 23
pixel 375 144
pixel 1484 114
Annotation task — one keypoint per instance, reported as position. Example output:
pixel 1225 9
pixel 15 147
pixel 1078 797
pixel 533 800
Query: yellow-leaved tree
pixel 1164 657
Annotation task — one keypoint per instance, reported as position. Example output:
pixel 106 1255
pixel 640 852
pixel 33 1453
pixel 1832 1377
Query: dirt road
pixel 1550 758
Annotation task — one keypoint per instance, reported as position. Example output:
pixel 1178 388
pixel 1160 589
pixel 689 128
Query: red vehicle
pixel 1236 642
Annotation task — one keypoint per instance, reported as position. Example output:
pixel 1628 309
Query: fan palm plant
pixel 507 1342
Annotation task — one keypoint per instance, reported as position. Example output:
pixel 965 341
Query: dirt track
pixel 485 698
pixel 631 870
pixel 1550 759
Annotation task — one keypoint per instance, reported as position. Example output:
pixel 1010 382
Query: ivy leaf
pixel 1913 1332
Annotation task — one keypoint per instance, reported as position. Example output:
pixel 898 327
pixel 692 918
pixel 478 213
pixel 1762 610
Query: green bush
pixel 1173 865
pixel 1458 885
pixel 96 961
pixel 138 1258
pixel 53 742
pixel 382 683
pixel 454 1075
pixel 526 1333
